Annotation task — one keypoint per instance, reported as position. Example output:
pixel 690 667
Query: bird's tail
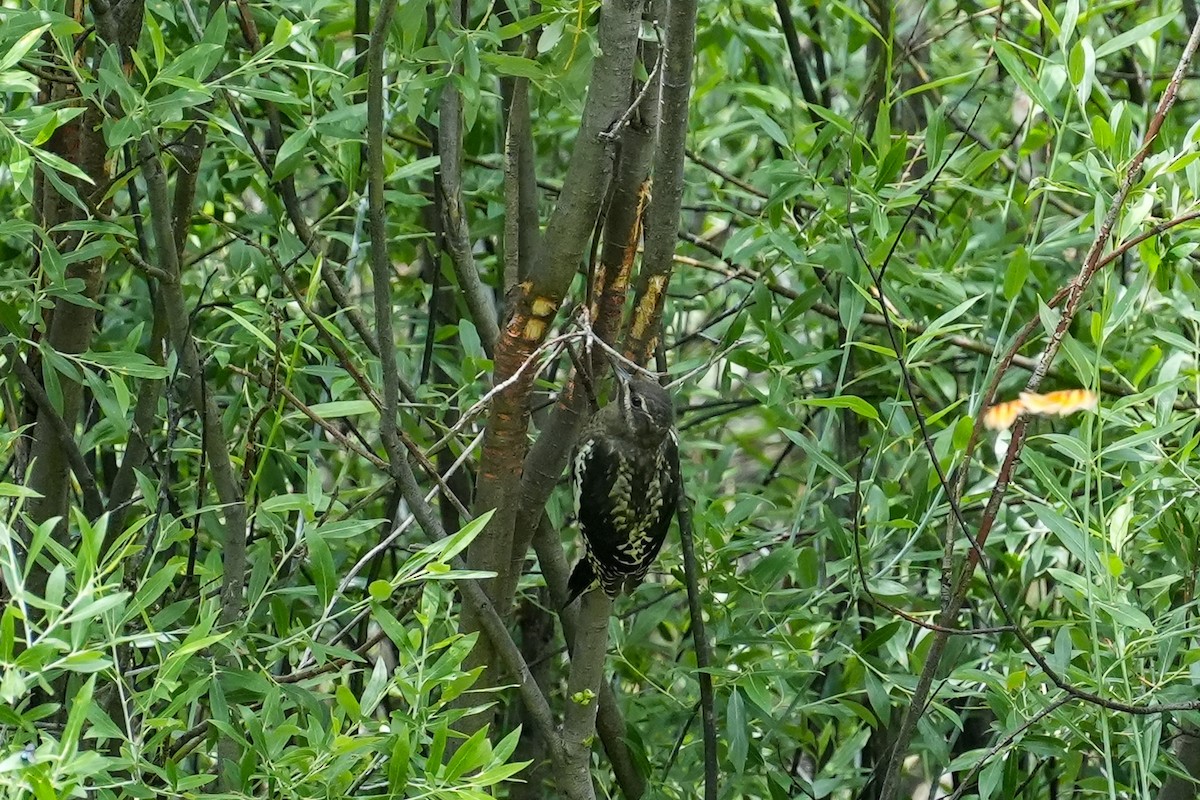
pixel 582 577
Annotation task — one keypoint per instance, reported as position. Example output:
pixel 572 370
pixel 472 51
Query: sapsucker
pixel 626 478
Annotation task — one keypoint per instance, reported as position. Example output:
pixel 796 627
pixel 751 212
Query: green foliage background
pixel 970 150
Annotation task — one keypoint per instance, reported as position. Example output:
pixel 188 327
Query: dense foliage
pixel 880 199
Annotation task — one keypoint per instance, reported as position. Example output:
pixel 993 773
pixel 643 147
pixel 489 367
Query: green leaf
pixel 941 326
pixel 818 456
pixel 1067 28
pixel 292 153
pixel 77 711
pixel 446 549
pixel 856 404
pixel 94 607
pixel 1016 274
pixel 418 168
pixel 376 687
pixel 1134 35
pixel 1010 58
pixel 470 755
pixel 398 765
pixel 321 559
pixel 1067 533
pixel 515 66
pixel 736 730
pixel 344 408
pixel 22 46
pixel 347 702
pixel 133 364
pixel 56 586
pixel 523 24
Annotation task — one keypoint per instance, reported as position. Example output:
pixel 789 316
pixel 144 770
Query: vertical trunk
pixel 532 306
pixel 1187 750
pixel 69 327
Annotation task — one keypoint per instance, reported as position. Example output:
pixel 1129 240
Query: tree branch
pixel 458 237
pixel 807 89
pixel 583 686
pixel 708 716
pixel 93 503
pixel 522 237
pixel 216 448
pixel 622 230
pixel 610 724
pixel 534 303
pixel 215 445
pixel 380 263
pixel 662 216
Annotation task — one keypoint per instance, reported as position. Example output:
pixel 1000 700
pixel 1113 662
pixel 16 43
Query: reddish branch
pixel 534 302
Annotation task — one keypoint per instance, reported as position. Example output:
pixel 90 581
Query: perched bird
pixel 626 476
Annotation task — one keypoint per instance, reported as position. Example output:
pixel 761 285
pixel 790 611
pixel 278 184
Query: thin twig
pixel 965 783
pixel 703 652
pixel 583 684
pixel 614 131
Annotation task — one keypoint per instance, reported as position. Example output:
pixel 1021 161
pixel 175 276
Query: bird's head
pixel 645 406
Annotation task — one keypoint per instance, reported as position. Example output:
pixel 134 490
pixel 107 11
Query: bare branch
pixel 583 687
pixel 380 263
pixel 215 444
pixel 662 216
pixel 708 715
pixel 610 725
pixel 93 503
pixel 458 237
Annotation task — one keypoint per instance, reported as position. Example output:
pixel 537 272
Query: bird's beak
pixel 623 374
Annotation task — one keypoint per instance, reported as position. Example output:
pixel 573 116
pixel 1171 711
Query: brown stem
pixel 708 717
pixel 377 213
pixel 454 210
pixel 534 303
pixel 93 503
pixel 662 217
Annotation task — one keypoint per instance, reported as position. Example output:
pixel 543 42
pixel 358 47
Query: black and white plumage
pixel 626 476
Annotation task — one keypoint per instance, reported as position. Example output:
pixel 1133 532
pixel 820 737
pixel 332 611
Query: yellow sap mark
pixel 543 307
pixel 644 194
pixel 534 329
pixel 641 319
pixel 645 308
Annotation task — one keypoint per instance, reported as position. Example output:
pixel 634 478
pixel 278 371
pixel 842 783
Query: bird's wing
pixel 582 578
pixel 670 493
pixel 601 520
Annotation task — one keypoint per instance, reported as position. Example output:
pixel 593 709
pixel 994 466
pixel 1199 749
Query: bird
pixel 625 472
